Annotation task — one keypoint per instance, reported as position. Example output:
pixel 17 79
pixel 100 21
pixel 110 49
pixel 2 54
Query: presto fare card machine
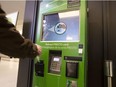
pixel 61 31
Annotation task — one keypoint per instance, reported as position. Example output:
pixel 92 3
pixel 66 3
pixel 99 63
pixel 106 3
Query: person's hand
pixel 39 49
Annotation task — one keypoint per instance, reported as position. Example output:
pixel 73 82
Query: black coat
pixel 12 43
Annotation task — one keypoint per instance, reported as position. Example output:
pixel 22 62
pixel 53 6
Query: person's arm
pixel 13 44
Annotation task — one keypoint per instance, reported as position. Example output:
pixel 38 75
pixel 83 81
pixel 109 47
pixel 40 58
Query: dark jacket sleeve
pixel 13 44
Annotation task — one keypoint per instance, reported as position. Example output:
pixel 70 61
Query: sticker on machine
pixel 60 28
pixel 71 83
pixel 73 3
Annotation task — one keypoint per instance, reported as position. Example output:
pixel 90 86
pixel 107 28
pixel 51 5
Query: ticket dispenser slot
pixel 54 61
pixel 72 69
pixel 72 66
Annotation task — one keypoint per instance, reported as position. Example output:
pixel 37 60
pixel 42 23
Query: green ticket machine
pixel 61 31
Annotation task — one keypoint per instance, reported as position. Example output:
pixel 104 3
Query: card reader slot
pixel 73 58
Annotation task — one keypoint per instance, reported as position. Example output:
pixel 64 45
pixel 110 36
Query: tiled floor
pixel 8 72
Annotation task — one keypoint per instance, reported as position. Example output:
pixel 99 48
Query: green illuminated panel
pixel 61 31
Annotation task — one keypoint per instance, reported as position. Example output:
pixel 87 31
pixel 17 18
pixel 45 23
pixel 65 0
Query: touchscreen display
pixel 63 26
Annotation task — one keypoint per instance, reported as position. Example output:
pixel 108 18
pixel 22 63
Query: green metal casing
pixel 67 48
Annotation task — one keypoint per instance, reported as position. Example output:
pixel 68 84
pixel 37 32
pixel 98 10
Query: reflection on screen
pixel 61 26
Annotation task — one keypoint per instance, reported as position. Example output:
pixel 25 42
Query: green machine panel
pixel 61 31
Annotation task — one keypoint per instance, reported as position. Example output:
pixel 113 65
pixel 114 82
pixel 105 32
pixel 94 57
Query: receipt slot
pixel 61 32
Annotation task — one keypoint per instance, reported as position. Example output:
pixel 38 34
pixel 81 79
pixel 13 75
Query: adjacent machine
pixel 61 28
